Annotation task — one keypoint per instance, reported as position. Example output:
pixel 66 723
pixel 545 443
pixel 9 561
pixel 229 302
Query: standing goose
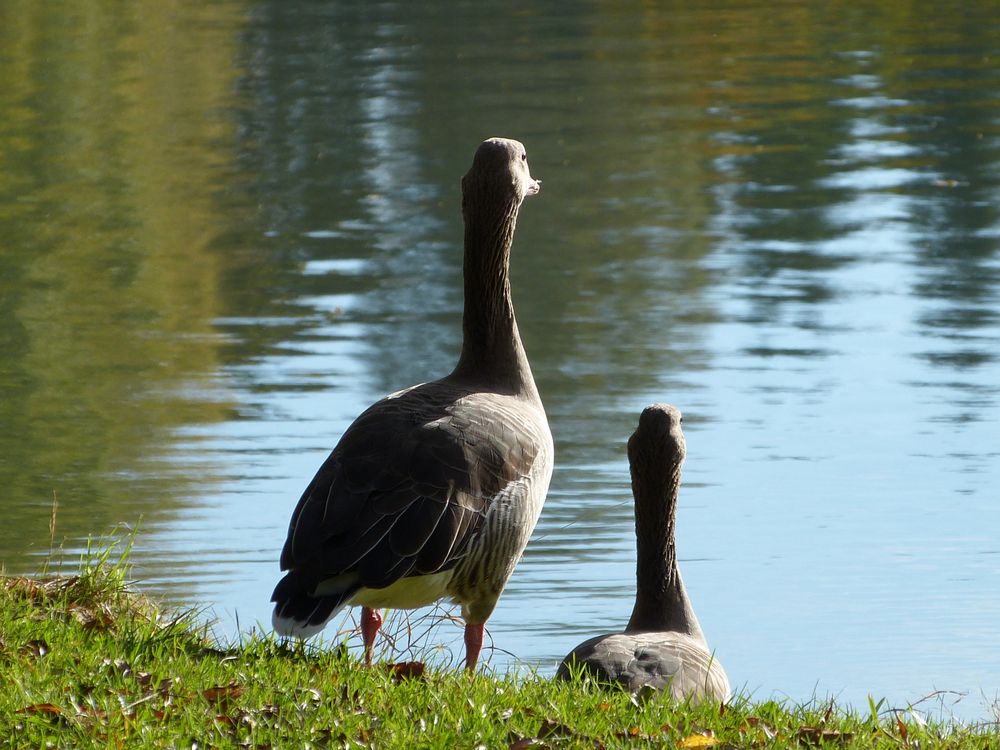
pixel 663 645
pixel 434 490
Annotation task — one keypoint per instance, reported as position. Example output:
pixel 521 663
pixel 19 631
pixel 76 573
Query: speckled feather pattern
pixel 672 662
pixel 434 478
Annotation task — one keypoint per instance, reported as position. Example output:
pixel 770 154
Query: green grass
pixel 85 662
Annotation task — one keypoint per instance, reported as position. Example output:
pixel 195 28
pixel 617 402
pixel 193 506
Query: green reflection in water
pixel 112 147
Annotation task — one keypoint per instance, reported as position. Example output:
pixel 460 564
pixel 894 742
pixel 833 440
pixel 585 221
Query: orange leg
pixel 371 621
pixel 473 645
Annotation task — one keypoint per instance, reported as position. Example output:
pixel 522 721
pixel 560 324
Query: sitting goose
pixel 663 645
pixel 434 490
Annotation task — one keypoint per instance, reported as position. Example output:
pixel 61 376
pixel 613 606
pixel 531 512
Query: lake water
pixel 225 229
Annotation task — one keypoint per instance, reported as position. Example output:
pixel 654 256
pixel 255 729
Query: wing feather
pixel 405 490
pixel 417 525
pixel 449 540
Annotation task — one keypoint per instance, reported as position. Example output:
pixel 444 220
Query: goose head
pixel 499 174
pixel 656 451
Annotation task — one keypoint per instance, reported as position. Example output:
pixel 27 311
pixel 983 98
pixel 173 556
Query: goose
pixel 663 645
pixel 434 490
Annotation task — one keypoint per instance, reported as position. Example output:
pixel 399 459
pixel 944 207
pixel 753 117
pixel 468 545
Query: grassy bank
pixel 84 662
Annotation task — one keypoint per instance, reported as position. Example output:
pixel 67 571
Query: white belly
pixel 406 593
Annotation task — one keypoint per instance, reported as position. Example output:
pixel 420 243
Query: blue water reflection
pixel 782 220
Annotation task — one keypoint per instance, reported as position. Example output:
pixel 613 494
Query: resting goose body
pixel 663 645
pixel 434 490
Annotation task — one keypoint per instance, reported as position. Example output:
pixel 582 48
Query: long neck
pixel 492 352
pixel 661 602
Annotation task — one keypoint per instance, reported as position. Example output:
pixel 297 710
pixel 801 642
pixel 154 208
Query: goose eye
pixel 524 157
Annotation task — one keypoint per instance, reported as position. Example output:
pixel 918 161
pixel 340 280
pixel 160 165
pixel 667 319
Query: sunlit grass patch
pixel 89 662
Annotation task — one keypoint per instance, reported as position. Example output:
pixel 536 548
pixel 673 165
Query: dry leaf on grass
pixel 41 708
pixel 407 670
pixel 525 742
pixel 754 722
pixel 698 740
pixel 221 695
pixel 90 619
pixel 553 728
pixel 816 735
pixel 35 648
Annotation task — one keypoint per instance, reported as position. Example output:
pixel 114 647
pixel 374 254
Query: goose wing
pixel 673 662
pixel 405 491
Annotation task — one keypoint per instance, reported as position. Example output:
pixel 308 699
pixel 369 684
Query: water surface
pixel 225 230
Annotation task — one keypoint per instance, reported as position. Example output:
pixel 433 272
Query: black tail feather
pixel 297 612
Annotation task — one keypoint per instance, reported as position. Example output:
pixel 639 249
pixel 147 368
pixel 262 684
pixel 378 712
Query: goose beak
pixel 533 187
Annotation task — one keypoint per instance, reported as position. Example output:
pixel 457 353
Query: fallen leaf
pixel 222 694
pixel 698 740
pixel 551 727
pixel 164 687
pixel 407 670
pixel 41 708
pixel 754 722
pixel 94 713
pixel 36 648
pixel 816 735
pixel 90 619
pixel 323 735
pixel 633 733
pixel 527 742
pixel 118 666
pixel 268 710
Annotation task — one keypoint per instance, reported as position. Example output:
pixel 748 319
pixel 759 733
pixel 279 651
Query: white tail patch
pixel 292 628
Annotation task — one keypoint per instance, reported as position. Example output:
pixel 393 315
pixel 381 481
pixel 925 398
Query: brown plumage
pixel 434 490
pixel 663 645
